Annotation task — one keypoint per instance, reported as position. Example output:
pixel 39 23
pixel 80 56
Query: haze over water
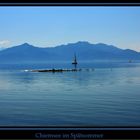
pixel 106 96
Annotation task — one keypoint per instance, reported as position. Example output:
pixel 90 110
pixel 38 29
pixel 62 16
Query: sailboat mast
pixel 75 62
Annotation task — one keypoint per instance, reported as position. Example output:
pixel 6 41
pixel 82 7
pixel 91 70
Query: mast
pixel 75 61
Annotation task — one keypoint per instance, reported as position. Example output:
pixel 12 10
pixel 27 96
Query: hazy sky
pixel 51 26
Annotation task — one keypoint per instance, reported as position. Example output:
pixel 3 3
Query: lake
pixel 109 95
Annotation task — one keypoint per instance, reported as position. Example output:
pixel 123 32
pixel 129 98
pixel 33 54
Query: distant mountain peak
pixel 101 44
pixel 82 42
pixel 79 43
pixel 129 50
pixel 25 44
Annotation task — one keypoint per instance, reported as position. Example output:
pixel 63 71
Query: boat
pixel 75 62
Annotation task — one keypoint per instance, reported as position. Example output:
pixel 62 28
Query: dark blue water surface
pixel 109 95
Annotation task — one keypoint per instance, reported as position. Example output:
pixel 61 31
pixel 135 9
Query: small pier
pixel 56 70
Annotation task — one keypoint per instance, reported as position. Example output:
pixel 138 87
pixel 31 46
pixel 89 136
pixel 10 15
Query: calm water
pixel 109 95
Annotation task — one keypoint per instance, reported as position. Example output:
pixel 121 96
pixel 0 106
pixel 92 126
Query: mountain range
pixel 85 51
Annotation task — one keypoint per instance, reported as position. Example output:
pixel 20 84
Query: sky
pixel 49 26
